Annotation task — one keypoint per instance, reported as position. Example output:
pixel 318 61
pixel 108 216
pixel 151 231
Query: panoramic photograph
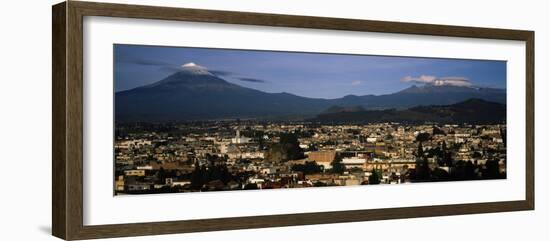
pixel 190 119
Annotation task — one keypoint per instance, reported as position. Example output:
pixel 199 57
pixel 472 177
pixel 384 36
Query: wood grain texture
pixel 67 78
pixel 155 228
pixel 74 121
pixel 59 193
pixel 530 120
pixel 263 19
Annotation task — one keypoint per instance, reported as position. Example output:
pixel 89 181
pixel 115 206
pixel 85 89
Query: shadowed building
pixel 322 157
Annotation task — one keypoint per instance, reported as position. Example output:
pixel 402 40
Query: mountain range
pixel 196 94
pixel 472 111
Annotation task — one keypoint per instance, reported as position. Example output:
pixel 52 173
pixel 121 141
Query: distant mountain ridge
pixel 187 95
pixel 473 111
pixel 196 94
pixel 424 95
pixel 339 109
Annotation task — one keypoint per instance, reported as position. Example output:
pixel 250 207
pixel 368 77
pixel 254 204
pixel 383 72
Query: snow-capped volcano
pixel 190 65
pixel 195 69
pixel 194 93
pixel 191 76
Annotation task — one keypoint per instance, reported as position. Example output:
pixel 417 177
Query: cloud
pixel 146 62
pixel 150 62
pixel 172 68
pixel 162 66
pixel 254 80
pixel 454 81
pixel 424 79
pixel 221 72
pixel 433 80
pixel 356 82
pixel 168 67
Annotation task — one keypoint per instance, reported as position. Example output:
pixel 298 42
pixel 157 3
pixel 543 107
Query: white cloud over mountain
pixel 438 81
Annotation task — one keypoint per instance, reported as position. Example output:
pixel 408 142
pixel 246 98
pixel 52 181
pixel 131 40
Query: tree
pixel 196 179
pixel 214 172
pixel 204 175
pixel 464 170
pixel 375 177
pixel 161 175
pixel 288 148
pixel 476 155
pixel 225 174
pixel 422 137
pixel 440 175
pixel 420 150
pixel 492 170
pixel 291 146
pixel 319 184
pixel 422 170
pixel 308 168
pixel 337 165
pixel 447 157
pixel 250 186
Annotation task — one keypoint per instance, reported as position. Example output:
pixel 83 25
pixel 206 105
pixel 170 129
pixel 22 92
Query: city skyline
pixel 331 75
pixel 198 120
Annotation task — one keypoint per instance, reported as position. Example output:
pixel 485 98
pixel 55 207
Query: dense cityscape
pixel 193 119
pixel 243 155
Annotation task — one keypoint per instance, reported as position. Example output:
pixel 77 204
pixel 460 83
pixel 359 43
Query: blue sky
pixel 318 75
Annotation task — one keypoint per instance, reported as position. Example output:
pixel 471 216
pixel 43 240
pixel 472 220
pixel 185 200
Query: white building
pixel 238 139
pixel 180 183
pixel 139 173
pixel 146 167
pixel 372 139
pixel 131 144
pixel 354 162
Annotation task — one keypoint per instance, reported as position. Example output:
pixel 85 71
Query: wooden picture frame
pixel 67 152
